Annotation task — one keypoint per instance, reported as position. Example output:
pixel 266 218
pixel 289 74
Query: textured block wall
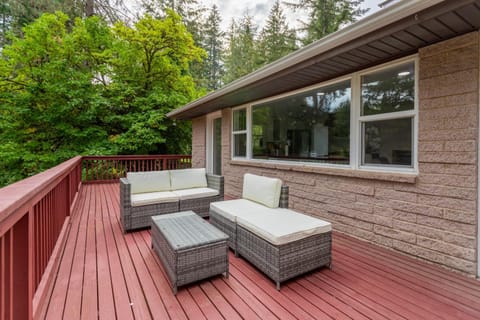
pixel 199 142
pixel 432 216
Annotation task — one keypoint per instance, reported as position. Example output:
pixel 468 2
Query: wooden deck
pixel 106 274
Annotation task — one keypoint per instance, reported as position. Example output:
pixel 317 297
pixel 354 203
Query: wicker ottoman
pixel 189 247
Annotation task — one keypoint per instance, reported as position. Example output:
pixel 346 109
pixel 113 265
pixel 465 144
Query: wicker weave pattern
pixel 204 253
pixel 225 225
pixel 283 262
pixel 139 217
pixel 284 197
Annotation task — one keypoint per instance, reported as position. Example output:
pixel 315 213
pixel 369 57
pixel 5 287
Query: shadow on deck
pixel 106 274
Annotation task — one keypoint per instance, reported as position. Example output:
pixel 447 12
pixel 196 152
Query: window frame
pixel 247 132
pixel 356 123
pixel 386 116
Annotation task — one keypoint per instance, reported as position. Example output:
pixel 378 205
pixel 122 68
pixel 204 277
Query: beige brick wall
pixel 199 142
pixel 432 217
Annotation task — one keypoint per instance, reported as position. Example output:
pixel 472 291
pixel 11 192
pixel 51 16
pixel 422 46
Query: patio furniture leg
pixel 278 285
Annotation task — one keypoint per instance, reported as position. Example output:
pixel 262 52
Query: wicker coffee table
pixel 189 247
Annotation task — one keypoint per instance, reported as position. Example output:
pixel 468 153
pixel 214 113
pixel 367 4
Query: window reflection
pixel 310 126
pixel 389 90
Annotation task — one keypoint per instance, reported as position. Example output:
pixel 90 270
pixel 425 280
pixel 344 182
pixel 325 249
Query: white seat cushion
pixel 263 190
pixel 195 193
pixel 149 181
pixel 231 209
pixel 283 226
pixel 188 178
pixel 142 199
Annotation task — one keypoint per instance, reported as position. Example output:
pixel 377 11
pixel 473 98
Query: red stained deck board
pixel 262 287
pixel 119 286
pixel 206 306
pixel 369 294
pixel 411 290
pixel 73 303
pixel 424 270
pixel 264 312
pixel 367 282
pixel 90 281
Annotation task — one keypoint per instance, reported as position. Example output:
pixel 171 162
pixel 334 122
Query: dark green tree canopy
pixel 92 89
pixel 327 16
pixel 276 38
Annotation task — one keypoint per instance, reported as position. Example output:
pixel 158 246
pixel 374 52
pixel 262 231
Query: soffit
pixel 400 38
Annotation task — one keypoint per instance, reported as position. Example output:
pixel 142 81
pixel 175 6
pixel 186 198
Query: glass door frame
pixel 210 142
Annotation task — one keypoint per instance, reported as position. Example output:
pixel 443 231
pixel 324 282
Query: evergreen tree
pixel 241 55
pixel 15 14
pixel 213 44
pixel 276 39
pixel 327 16
pixel 192 14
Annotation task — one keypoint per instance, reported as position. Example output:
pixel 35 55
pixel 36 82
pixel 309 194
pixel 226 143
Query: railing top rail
pixel 135 157
pixel 24 192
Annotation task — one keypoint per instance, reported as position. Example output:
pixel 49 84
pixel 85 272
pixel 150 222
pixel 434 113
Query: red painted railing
pixel 35 215
pixel 104 168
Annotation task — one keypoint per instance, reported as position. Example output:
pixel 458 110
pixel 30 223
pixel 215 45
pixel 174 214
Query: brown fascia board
pixel 383 22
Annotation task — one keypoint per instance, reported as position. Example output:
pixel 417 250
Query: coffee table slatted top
pixel 185 230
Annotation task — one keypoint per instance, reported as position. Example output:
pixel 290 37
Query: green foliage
pixel 276 39
pixel 241 54
pixel 151 77
pixel 213 43
pixel 92 89
pixel 327 16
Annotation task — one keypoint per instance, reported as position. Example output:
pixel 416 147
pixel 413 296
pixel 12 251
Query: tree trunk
pixel 89 8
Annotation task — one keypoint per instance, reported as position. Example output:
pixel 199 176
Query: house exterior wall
pixel 199 132
pixel 432 216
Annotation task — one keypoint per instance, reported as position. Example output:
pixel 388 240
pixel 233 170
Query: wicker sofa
pixel 150 193
pixel 280 242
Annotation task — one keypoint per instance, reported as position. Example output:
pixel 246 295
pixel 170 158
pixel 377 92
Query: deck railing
pixel 104 168
pixel 35 215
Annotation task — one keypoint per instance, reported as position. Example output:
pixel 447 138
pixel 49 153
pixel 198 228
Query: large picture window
pixel 366 122
pixel 312 126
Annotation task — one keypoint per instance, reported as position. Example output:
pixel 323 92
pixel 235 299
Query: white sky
pixel 259 9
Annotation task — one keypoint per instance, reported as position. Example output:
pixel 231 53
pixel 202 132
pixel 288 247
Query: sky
pixel 258 9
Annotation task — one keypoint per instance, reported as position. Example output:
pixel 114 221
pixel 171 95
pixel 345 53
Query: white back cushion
pixel 188 178
pixel 149 181
pixel 263 190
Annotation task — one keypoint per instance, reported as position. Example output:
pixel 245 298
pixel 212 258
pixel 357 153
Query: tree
pixel 192 14
pixel 15 14
pixel 276 38
pixel 327 16
pixel 83 87
pixel 51 111
pixel 241 54
pixel 150 74
pixel 213 44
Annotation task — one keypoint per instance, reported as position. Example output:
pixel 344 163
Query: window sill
pixel 342 172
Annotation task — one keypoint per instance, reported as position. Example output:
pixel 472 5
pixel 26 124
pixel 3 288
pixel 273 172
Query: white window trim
pixel 355 123
pixel 387 116
pixel 233 133
pixel 209 139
